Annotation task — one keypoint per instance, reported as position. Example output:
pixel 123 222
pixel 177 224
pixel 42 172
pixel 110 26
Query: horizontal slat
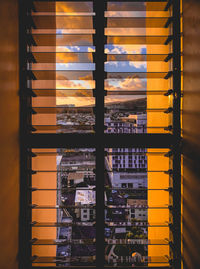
pixel 56 13
pixel 91 128
pixel 63 40
pixel 67 152
pixel 136 6
pixel 62 31
pixel 63 84
pixel 90 93
pixel 62 242
pixel 61 259
pixel 137 207
pixel 156 110
pixel 153 259
pixel 63 67
pixel 110 153
pixel 77 5
pixel 136 75
pixel 93 206
pixel 59 76
pixel 138 22
pixel 73 110
pixel 130 190
pixel 64 110
pixel 63 22
pixel 127 170
pixel 133 190
pixel 136 224
pixel 162 265
pixel 61 206
pixel 92 241
pixel 135 92
pixel 62 127
pixel 62 57
pixel 136 57
pixel 64 93
pixel 62 224
pixel 136 241
pixel 137 14
pixel 53 48
pixel 136 40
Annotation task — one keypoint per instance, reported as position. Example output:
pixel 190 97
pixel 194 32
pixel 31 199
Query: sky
pixel 82 47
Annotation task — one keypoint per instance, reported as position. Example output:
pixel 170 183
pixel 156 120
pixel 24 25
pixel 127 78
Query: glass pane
pixel 136 206
pixel 136 6
pixel 68 6
pixel 62 40
pixel 63 207
pixel 136 57
pixel 61 75
pixel 138 68
pixel 61 72
pixel 136 22
pixel 63 57
pixel 137 40
pixel 63 22
pixel 64 66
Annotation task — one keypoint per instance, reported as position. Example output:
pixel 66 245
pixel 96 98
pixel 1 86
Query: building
pixel 138 210
pixel 75 178
pixel 129 180
pixel 85 197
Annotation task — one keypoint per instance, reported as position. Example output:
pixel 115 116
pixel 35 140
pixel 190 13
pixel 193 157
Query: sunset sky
pixel 83 61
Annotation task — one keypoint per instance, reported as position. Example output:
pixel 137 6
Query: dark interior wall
pixel 191 134
pixel 9 144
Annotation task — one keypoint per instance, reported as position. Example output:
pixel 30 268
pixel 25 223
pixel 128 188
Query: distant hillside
pixel 136 105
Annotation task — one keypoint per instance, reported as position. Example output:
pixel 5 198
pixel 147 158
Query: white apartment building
pixel 85 197
pixel 128 180
pixel 137 210
pixel 131 124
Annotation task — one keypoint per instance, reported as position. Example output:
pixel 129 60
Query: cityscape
pixel 126 233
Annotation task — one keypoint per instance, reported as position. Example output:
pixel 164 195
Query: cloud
pixel 75 66
pixel 125 49
pixel 125 66
pixel 128 84
pixel 75 84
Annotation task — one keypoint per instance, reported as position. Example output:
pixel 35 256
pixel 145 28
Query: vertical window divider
pixel 176 232
pixel 25 121
pixel 99 7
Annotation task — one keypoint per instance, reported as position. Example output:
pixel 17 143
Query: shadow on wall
pixel 191 134
pixel 9 135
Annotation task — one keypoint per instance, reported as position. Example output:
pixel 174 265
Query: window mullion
pixel 99 77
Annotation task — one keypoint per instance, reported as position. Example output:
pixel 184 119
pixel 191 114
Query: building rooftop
pixel 85 196
pixel 76 176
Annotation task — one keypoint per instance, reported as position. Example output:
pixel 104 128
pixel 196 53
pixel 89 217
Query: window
pixel 73 96
pixel 130 185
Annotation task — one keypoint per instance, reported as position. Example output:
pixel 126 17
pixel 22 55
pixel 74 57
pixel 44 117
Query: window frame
pixel 99 140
